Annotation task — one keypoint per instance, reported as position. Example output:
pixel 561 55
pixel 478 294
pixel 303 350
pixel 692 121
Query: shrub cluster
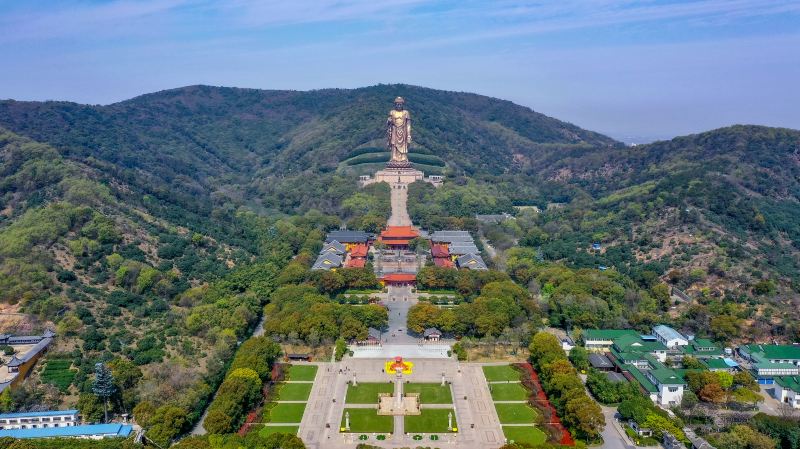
pixel 560 380
pixel 241 389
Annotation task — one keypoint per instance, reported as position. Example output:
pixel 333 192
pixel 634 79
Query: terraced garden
pixel 510 398
pixel 289 399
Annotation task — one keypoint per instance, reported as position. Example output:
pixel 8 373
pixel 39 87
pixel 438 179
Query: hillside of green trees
pixel 153 233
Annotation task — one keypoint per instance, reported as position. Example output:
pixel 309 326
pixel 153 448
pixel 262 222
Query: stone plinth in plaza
pixel 409 404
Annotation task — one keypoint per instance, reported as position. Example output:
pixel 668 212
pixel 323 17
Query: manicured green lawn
pixel 367 393
pixel 269 430
pixel 515 413
pixel 432 420
pixel 524 434
pixel 500 372
pixel 508 392
pixel 430 393
pixel 286 413
pixel 301 372
pixel 293 392
pixel 367 420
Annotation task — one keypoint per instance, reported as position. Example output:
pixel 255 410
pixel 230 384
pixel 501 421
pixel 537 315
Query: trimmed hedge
pixel 384 156
pixel 369 158
pixel 365 150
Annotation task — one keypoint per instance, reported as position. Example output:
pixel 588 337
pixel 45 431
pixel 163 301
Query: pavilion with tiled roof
pixel 399 279
pixel 398 237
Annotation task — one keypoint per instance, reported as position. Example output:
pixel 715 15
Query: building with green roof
pixel 602 339
pixel 787 390
pixel 771 353
pixel 702 348
pixel 771 361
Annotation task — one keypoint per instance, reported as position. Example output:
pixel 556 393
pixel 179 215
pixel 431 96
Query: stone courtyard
pixel 475 415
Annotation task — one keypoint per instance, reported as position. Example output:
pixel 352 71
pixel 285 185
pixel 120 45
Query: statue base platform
pixel 398 164
pixel 398 175
pixel 410 405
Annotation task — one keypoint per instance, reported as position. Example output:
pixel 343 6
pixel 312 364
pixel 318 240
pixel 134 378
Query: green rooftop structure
pixel 702 348
pixel 666 376
pixel 716 364
pixel 771 353
pixel 602 339
pixel 629 343
pixel 772 361
pixel 787 390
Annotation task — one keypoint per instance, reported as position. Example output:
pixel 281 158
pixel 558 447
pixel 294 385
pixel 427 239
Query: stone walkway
pixel 399 198
pixel 475 415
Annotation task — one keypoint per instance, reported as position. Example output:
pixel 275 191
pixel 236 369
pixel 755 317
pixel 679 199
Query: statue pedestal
pixel 399 175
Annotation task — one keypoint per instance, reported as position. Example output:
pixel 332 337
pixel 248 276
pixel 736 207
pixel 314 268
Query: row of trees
pixel 466 282
pixel 580 413
pixel 300 313
pixel 499 305
pixel 241 389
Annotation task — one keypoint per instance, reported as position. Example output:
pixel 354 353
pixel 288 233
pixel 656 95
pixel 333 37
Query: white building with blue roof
pixel 669 337
pixel 39 420
pixel 89 431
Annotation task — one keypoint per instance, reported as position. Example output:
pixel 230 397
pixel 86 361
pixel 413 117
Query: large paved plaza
pixel 475 415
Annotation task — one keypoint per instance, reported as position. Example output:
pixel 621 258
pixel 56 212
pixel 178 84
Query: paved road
pixel 399 300
pixel 613 434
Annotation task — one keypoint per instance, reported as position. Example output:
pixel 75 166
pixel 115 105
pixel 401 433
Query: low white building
pixel 669 385
pixel 669 336
pixel 38 420
pixel 787 391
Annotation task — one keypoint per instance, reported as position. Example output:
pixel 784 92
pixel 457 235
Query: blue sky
pixel 632 69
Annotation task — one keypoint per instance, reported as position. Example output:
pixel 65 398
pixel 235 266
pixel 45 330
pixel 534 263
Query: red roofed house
pixel 397 237
pixel 356 262
pixel 443 262
pixel 441 255
pixel 357 256
pixel 439 250
pixel 359 250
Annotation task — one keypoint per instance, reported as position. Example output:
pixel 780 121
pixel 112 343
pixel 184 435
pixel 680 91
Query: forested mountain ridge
pixel 126 281
pixel 203 131
pixel 191 153
pixel 715 215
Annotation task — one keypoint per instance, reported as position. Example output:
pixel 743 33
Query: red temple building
pixel 398 237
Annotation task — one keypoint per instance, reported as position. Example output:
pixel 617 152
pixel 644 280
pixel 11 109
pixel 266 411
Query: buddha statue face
pixel 398 104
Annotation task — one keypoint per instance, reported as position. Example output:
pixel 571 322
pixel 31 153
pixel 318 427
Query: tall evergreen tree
pixel 103 385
